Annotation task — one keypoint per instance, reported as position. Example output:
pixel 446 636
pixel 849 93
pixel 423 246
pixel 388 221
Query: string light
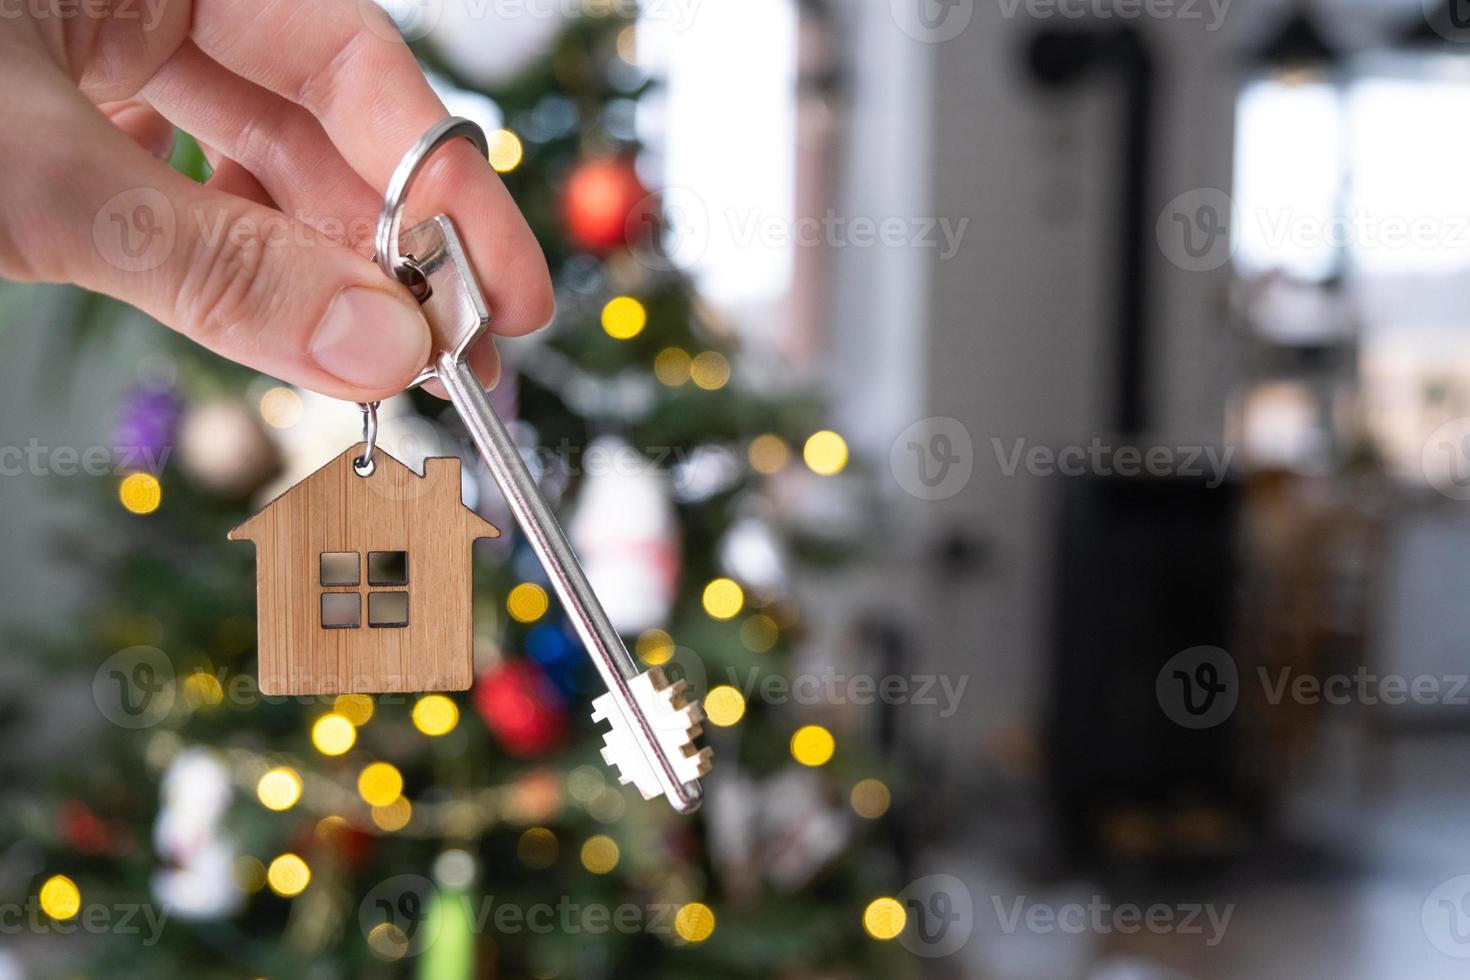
pixel 813 745
pixel 624 318
pixel 380 784
pixel 538 848
pixel 694 922
pixel 884 919
pixel 333 734
pixel 825 453
pixel 279 789
pixel 393 816
pixel 140 493
pixel 600 854
pixel 527 602
pixel 61 899
pixel 434 715
pixel 768 454
pixel 671 366
pixel 724 706
pixel 654 647
pixel 710 370
pixel 288 875
pixel 506 151
pixel 356 708
pixel 871 799
pixel 723 598
pixel 759 633
pixel 281 408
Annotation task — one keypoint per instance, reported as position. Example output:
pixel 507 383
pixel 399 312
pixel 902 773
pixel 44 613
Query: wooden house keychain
pixel 363 571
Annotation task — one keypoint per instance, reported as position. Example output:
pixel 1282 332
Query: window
pixel 386 609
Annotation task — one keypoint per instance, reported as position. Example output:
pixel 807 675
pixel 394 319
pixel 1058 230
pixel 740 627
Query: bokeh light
pixel 813 745
pixel 140 493
pixel 723 598
pixel 825 453
pixel 202 689
pixel 249 874
pixel 768 454
pixel 527 602
pixel 694 922
pixel 624 318
pixel 538 848
pixel 288 875
pixel 279 789
pixel 356 708
pixel 281 408
pixel 884 918
pixel 60 897
pixel 333 734
pixel 672 366
pixel 759 633
pixel 724 706
pixel 506 151
pixel 393 816
pixel 871 799
pixel 654 647
pixel 434 715
pixel 380 783
pixel 600 854
pixel 710 370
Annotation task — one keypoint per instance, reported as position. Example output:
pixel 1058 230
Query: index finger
pixel 344 61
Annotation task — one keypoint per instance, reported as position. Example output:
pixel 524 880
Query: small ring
pixel 364 463
pixel 390 220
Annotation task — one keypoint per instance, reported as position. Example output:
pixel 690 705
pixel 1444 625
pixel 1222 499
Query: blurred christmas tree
pixel 476 835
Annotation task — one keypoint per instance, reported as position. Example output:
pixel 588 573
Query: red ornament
pixel 522 707
pixel 605 202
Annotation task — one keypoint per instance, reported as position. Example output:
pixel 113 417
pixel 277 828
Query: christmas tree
pixel 448 836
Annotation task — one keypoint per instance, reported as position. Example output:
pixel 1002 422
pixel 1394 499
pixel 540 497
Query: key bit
pixel 652 725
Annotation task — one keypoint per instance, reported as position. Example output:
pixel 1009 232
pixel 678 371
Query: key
pixel 651 724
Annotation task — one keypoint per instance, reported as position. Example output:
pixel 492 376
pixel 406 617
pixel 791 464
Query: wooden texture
pixel 393 509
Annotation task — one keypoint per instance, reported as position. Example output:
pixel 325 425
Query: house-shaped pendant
pixel 363 582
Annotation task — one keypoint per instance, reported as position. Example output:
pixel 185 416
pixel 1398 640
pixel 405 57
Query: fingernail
pixel 370 339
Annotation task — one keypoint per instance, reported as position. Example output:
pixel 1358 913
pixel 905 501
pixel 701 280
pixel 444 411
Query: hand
pixel 304 109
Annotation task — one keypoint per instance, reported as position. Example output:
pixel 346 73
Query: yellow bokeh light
pixel 281 407
pixel 388 942
pixel 723 598
pixel 710 370
pixel 333 734
pixel 203 690
pixel 380 783
pixel 249 874
pixel 871 799
pixel 394 816
pixel 724 706
pixel 694 922
pixel 527 602
pixel 60 897
pixel 654 647
pixel 288 875
pixel 279 789
pixel 140 493
pixel 434 715
pixel 759 633
pixel 506 151
pixel 671 366
pixel 884 918
pixel 600 854
pixel 624 318
pixel 538 848
pixel 768 454
pixel 356 708
pixel 825 453
pixel 812 745
pixel 628 44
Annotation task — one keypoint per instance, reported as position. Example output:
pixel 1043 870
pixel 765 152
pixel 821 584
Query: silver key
pixel 652 725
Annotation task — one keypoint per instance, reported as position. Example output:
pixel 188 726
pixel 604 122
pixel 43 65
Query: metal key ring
pixel 390 220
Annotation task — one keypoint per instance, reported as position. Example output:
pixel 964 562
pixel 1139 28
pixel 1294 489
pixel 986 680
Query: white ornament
pixel 198 879
pixel 626 534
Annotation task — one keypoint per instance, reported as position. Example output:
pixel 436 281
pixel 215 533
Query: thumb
pixel 242 279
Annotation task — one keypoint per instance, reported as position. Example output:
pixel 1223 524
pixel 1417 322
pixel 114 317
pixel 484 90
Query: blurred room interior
pixel 1159 390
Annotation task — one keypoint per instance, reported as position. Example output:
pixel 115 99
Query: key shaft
pixel 549 543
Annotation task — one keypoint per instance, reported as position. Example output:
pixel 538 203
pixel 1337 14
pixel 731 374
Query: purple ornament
pixel 147 420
